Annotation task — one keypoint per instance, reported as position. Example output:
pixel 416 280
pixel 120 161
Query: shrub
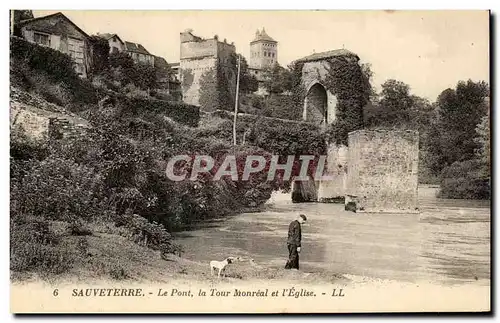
pixel 58 188
pixel 148 234
pixel 180 112
pixel 78 228
pixel 58 80
pixel 118 273
pixel 35 247
pixel 463 180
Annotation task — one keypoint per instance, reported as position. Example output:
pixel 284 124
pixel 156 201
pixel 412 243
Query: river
pixel 447 243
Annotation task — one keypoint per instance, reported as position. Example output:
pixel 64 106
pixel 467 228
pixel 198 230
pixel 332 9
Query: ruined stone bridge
pixel 376 172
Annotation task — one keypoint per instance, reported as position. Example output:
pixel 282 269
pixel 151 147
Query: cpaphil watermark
pixel 242 168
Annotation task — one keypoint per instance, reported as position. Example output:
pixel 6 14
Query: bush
pixel 148 234
pixel 58 189
pixel 78 228
pixel 180 112
pixel 49 71
pixel 463 180
pixel 35 247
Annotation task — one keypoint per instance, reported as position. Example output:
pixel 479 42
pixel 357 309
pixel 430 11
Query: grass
pixel 107 255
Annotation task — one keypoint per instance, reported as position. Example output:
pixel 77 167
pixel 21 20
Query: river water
pixel 447 243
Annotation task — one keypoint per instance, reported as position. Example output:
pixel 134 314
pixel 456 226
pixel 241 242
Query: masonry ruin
pixel 382 174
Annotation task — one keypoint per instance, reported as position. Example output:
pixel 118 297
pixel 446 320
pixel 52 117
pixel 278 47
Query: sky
pixel 429 50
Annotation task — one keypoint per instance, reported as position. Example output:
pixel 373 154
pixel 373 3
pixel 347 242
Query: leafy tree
pixel 20 15
pixel 248 82
pixel 209 98
pixel 394 108
pixel 99 54
pixel 120 59
pixel 460 111
pixel 483 140
pixel 277 79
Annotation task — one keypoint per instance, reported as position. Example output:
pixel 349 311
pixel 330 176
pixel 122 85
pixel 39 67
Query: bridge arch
pixel 319 104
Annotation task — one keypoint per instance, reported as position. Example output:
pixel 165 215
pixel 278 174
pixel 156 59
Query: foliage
pixel 35 247
pixel 179 112
pixel 277 79
pixel 99 55
pixel 248 82
pixel 483 140
pixel 460 111
pixel 57 189
pixel 281 106
pixel 29 61
pixel 394 107
pixel 209 98
pixel 350 84
pixel 20 15
pixel 125 70
pixel 149 234
pixel 463 180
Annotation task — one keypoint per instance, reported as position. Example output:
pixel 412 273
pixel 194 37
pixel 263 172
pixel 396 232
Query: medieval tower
pixel 263 53
pixel 197 57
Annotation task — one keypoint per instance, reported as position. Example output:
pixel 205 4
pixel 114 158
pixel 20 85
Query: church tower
pixel 263 51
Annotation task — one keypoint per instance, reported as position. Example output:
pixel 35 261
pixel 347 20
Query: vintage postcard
pixel 250 161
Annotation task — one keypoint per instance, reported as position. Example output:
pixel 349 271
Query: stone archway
pixel 319 104
pixel 316 104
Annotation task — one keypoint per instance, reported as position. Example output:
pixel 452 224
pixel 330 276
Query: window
pixel 42 39
pixel 273 54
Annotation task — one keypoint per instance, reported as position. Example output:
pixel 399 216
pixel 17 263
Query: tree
pixel 99 55
pixel 20 15
pixel 394 107
pixel 483 152
pixel 209 99
pixel 460 111
pixel 277 79
pixel 248 82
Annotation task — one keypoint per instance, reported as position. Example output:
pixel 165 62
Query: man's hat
pixel 303 217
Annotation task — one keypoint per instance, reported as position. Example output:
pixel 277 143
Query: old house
pixel 115 43
pixel 139 54
pixel 58 32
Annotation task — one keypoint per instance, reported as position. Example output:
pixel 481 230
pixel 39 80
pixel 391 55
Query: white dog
pixel 221 265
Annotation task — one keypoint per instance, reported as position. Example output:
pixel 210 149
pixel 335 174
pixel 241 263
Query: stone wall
pixel 383 171
pixel 333 188
pixel 31 124
pixel 40 120
pixel 199 56
pixel 191 72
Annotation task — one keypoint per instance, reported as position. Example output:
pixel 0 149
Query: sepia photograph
pixel 250 161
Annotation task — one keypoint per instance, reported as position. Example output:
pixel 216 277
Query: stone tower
pixel 197 56
pixel 263 51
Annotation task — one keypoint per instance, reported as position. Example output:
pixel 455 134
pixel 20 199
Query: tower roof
pixel 263 36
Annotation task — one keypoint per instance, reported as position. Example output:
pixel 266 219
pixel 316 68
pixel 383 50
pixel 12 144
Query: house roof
pixel 263 36
pixel 57 14
pixel 108 36
pixel 137 48
pixel 325 55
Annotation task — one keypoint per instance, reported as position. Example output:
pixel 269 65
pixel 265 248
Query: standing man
pixel 293 242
